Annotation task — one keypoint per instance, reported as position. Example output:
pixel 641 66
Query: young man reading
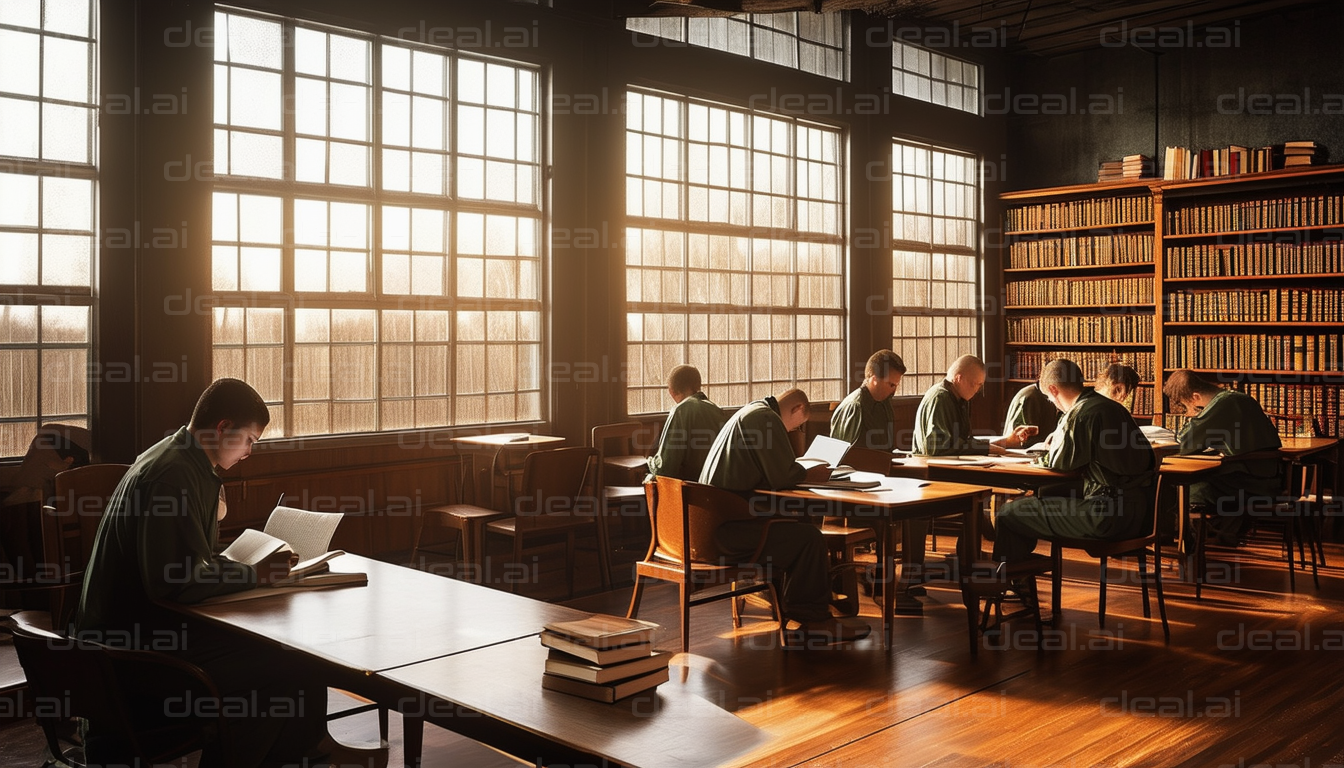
pixel 158 543
pixel 753 452
pixel 865 417
pixel 943 420
pixel 691 427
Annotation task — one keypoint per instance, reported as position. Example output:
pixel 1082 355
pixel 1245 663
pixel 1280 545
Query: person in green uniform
pixel 752 452
pixel 158 542
pixel 1233 424
pixel 691 427
pixel 1030 407
pixel 943 420
pixel 1120 383
pixel 1098 437
pixel 865 417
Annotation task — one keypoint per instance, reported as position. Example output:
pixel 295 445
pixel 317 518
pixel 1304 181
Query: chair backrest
pixel 557 488
pixel 82 495
pixel 685 517
pixel 868 460
pixel 626 438
pixel 70 678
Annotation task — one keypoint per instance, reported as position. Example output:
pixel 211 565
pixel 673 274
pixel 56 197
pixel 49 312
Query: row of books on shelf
pixel 1258 352
pixel 1318 404
pixel 1127 167
pixel 1183 163
pixel 1027 364
pixel 1091 212
pixel 603 658
pixel 1292 424
pixel 1081 329
pixel 1086 250
pixel 1308 305
pixel 1246 259
pixel 1295 211
pixel 1099 290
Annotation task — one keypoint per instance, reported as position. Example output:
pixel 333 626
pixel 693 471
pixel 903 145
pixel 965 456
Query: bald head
pixel 682 382
pixel 967 376
pixel 793 407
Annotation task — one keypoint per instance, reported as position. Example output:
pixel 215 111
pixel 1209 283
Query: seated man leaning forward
pixel 1233 424
pixel 865 417
pixel 158 544
pixel 943 421
pixel 1030 407
pixel 691 427
pixel 1098 437
pixel 753 452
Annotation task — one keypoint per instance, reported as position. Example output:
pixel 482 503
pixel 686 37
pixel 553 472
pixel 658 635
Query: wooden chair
pixel 1295 514
pixel 468 520
pixel 69 528
pixel 95 682
pixel 623 450
pixel 556 502
pixel 682 551
pixel 991 582
pixel 843 540
pixel 1141 548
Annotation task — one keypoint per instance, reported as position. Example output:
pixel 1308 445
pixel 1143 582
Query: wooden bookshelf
pixel 1216 283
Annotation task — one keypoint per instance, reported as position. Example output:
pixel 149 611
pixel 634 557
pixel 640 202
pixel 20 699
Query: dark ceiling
pixel 1041 27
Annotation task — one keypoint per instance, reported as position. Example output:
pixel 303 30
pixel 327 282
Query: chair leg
pixel 972 622
pixel 569 564
pixel 1101 598
pixel 1056 582
pixel 685 617
pixel 635 597
pixel 1157 585
pixel 1143 583
pixel 1288 536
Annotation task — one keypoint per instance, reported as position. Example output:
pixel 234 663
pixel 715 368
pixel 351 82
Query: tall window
pixel 734 251
pixel 377 244
pixel 812 42
pixel 48 185
pixel 934 77
pixel 935 260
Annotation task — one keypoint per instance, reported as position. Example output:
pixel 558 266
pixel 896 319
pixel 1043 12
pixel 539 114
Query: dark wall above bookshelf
pixel 1262 80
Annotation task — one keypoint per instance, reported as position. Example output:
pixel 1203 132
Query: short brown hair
pixel 1119 373
pixel 883 363
pixel 789 397
pixel 1062 373
pixel 1182 384
pixel 231 400
pixel 684 380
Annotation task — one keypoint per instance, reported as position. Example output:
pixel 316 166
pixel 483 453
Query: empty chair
pixel 682 550
pixel 468 520
pixel 69 528
pixel 556 502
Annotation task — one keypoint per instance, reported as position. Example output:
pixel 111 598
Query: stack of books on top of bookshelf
pixel 1182 163
pixel 1130 167
pixel 603 658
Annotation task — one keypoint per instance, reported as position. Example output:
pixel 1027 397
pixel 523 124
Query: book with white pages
pixel 824 451
pixel 306 534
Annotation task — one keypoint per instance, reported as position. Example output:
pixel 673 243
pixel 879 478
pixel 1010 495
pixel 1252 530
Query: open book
pixel 307 535
pixel 827 451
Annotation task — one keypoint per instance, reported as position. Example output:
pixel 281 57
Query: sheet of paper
pixel 308 533
pixel 251 546
pixel 827 449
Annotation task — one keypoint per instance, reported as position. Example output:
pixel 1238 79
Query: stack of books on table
pixel 604 658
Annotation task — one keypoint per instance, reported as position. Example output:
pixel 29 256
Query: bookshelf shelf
pixel 1071 307
pixel 1138 266
pixel 1250 324
pixel 1032 381
pixel 1087 230
pixel 1256 278
pixel 1265 231
pixel 1258 357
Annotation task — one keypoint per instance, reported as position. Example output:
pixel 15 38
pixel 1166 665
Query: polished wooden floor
pixel 1250 678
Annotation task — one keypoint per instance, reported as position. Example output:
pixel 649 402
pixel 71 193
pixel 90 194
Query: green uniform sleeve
pixel 177 559
pixel 671 454
pixel 847 421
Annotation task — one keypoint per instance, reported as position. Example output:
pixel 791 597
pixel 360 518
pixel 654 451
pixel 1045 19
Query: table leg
pixel 907 605
pixel 412 739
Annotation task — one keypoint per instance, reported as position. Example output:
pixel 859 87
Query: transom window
pixel 377 246
pixel 935 260
pixel 935 77
pixel 734 251
pixel 48 221
pixel 811 42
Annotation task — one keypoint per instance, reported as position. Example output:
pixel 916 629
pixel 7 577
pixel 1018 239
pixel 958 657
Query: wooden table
pixel 668 727
pixel 506 441
pixel 900 500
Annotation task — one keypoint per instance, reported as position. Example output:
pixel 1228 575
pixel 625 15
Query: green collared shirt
pixel 158 541
pixel 1099 437
pixel 943 424
pixel 753 451
pixel 861 420
pixel 1233 423
pixel 690 430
